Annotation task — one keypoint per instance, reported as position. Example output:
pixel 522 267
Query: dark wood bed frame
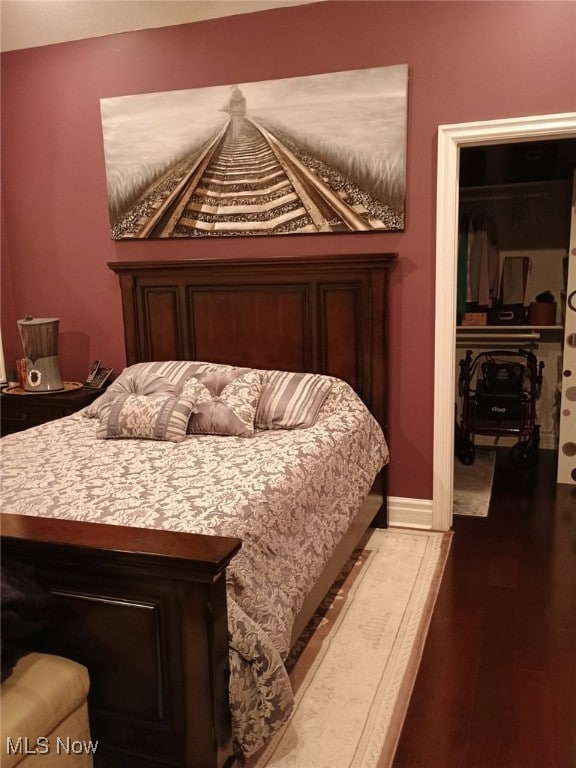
pixel 145 610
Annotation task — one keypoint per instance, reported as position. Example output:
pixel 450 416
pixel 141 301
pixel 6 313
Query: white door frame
pixel 450 139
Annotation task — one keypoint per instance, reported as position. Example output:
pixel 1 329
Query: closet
pixel 513 257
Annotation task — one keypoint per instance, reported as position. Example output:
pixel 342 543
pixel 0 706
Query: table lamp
pixel 40 342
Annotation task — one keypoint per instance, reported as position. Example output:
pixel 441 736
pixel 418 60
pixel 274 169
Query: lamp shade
pixel 39 337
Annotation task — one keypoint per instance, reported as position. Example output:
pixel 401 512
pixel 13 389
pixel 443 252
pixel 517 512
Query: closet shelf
pixel 500 328
pixel 535 190
pixel 486 334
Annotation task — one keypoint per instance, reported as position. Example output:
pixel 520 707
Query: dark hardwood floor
pixel 497 683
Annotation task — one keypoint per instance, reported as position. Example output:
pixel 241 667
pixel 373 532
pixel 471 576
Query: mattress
pixel 289 495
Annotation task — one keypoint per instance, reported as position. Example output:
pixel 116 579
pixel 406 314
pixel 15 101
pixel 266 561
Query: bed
pixel 160 605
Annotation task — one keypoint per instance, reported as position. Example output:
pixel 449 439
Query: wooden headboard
pixel 324 314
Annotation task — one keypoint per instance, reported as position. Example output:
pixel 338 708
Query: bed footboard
pixel 145 612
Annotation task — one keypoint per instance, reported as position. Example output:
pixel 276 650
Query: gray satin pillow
pixel 224 402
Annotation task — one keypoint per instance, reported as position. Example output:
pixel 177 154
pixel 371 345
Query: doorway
pixel 451 139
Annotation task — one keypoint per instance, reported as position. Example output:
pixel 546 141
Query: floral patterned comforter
pixel 288 495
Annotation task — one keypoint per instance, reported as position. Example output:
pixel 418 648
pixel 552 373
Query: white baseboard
pixel 409 513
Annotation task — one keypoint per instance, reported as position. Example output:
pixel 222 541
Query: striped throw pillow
pixel 147 417
pixel 291 400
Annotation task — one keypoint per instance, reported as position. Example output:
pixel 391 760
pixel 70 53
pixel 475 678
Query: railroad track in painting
pixel 246 181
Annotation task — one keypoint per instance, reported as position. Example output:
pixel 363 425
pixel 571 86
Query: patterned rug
pixel 473 484
pixel 354 667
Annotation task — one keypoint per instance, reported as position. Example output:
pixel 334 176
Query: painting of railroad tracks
pixel 313 154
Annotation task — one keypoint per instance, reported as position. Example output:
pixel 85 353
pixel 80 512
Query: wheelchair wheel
pixel 466 453
pixel 524 453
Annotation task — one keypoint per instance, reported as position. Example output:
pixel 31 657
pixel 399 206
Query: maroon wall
pixel 467 61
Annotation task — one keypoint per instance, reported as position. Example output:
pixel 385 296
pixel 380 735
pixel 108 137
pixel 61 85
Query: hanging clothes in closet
pixel 478 262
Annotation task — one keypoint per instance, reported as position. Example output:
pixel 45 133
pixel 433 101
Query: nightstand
pixel 20 411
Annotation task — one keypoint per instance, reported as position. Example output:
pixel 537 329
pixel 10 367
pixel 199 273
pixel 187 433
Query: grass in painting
pixel 133 168
pixel 129 184
pixel 363 140
pixel 381 176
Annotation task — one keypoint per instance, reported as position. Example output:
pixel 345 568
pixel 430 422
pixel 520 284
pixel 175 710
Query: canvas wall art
pixel 314 154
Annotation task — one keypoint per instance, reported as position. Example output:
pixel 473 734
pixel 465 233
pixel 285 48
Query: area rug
pixel 354 668
pixel 473 484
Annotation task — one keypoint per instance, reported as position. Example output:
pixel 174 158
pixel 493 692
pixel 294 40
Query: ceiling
pixel 32 23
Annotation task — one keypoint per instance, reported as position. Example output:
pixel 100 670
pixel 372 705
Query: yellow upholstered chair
pixel 44 714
